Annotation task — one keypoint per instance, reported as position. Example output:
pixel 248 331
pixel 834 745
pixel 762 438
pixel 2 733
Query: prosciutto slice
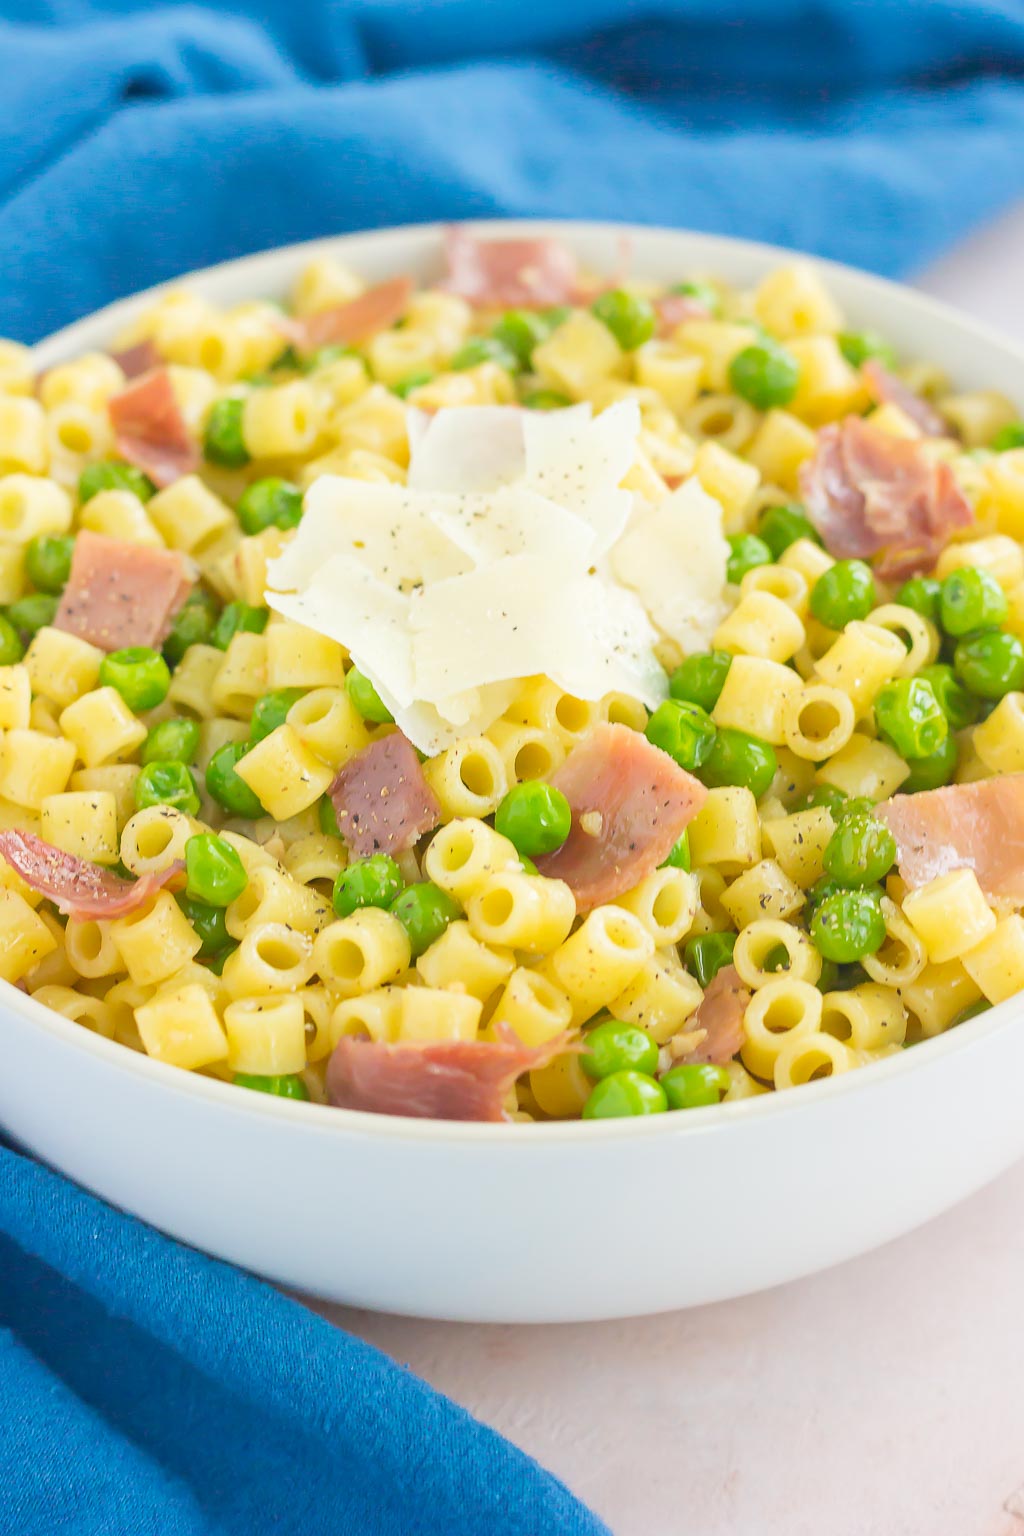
pixel 358 319
pixel 963 826
pixel 80 890
pixel 509 274
pixel 869 493
pixel 381 799
pixel 630 802
pixel 447 1080
pixel 137 360
pixel 673 309
pixel 150 430
pixel 720 1012
pixel 121 594
pixel 886 389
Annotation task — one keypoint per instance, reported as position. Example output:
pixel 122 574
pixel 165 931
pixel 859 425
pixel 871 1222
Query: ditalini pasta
pixel 519 699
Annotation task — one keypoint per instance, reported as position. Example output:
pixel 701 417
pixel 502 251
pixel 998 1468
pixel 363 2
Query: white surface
pixel 557 1222
pixel 882 1398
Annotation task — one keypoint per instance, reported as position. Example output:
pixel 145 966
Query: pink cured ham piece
pixel 869 493
pixel 149 429
pixel 121 594
pixel 137 360
pixel 720 1011
pixel 886 389
pixel 381 799
pixel 358 320
pixel 509 274
pixel 446 1080
pixel 640 802
pixel 964 826
pixel 673 309
pixel 82 891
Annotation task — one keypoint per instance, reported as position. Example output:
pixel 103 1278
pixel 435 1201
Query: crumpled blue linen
pixel 145 1388
pixel 139 140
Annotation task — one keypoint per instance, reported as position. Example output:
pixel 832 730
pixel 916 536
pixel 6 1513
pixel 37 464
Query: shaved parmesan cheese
pixel 579 462
pixel 475 448
pixel 674 557
pixel 512 550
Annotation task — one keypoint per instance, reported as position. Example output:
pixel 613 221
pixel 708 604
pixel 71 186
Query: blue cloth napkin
pixel 144 1388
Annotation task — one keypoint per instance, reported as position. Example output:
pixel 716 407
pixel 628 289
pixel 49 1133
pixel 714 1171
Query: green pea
pixel 990 664
pixel 214 872
pixel 11 648
pixel 933 771
pixel 535 817
pixel 172 741
pixel 958 706
pixel 707 953
pixel 1011 436
pixel 908 715
pixel 224 438
pixel 780 527
pixel 700 678
pixel 208 923
pixel 746 553
pixel 826 795
pixel 404 388
pixel 289 1087
pixel 822 888
pixel 777 959
pixel 238 618
pixel 366 698
pixel 861 851
pixel 736 758
pixel 48 561
pixel 140 675
pixel 269 503
pixel 193 625
pixel 328 818
pixel 704 293
pixel 629 317
pixel 373 882
pixel 484 349
pixel 270 711
pixel 519 331
pixel 545 400
pixel 112 475
pixel 841 978
pixel 971 599
pixel 685 731
pixel 855 805
pixel 224 785
pixel 843 593
pixel 555 315
pixel 973 1010
pixel 167 784
pixel 624 1094
pixel 32 613
pixel 679 858
pixel 217 962
pixel 424 911
pixel 765 374
pixel 324 356
pixel 858 346
pixel 693 1084
pixel 617 1047
pixel 922 594
pixel 848 925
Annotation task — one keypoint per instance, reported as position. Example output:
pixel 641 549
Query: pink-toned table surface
pixel 883 1398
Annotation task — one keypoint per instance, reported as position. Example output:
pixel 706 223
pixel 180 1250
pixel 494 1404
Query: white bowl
pixel 546 1223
